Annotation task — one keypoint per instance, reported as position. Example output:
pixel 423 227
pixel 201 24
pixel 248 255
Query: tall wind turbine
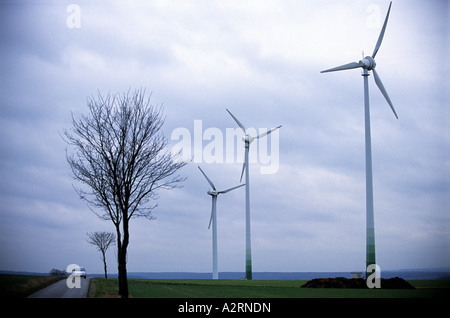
pixel 214 193
pixel 368 64
pixel 248 248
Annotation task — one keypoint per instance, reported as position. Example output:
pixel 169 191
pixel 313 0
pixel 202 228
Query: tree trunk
pixel 104 264
pixel 123 281
pixel 122 260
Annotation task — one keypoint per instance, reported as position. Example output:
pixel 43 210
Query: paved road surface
pixel 60 290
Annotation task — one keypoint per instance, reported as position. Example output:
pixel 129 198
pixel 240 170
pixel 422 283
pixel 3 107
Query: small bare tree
pixel 121 159
pixel 102 240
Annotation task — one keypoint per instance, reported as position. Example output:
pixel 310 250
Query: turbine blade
pixel 267 132
pixel 237 121
pixel 380 38
pixel 344 67
pixel 230 189
pixel 383 90
pixel 207 179
pixel 242 173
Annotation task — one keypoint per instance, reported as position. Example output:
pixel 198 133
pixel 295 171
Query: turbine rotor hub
pixel 213 193
pixel 368 63
pixel 247 139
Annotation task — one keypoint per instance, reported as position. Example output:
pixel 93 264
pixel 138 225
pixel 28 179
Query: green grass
pixel 191 288
pixel 103 288
pixel 20 286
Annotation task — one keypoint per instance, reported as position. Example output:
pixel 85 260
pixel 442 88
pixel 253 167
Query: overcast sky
pixel 262 61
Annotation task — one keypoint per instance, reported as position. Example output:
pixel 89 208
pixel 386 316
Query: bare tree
pixel 102 240
pixel 120 157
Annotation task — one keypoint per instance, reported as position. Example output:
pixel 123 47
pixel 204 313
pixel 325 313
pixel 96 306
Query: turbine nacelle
pixel 248 139
pixel 213 193
pixel 368 63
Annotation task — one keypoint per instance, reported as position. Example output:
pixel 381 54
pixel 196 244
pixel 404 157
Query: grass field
pixel 20 286
pixel 180 288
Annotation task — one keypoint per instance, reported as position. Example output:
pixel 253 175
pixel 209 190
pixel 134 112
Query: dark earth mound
pixel 342 282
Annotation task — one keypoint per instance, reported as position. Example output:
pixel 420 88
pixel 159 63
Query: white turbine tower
pixel 248 140
pixel 368 64
pixel 214 193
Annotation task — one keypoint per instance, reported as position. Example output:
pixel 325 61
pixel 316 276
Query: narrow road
pixel 60 290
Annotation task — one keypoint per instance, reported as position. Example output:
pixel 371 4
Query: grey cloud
pixel 263 64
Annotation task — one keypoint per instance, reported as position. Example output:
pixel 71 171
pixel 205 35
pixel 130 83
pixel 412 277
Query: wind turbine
pixel 248 140
pixel 368 64
pixel 214 193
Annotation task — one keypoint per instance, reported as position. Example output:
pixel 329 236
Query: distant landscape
pixel 408 274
